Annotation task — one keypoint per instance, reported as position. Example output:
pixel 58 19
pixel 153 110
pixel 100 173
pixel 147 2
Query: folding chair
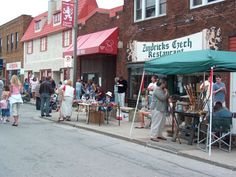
pixel 221 134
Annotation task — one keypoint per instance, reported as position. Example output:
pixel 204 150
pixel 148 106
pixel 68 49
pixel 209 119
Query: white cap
pixel 109 93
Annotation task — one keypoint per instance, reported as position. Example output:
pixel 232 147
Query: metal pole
pixel 75 32
pixel 211 103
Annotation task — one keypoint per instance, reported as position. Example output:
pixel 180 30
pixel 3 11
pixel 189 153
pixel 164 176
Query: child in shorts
pixel 5 106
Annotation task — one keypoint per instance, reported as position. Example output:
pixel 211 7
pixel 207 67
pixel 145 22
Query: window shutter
pixel 70 37
pixel 63 39
pixel 46 43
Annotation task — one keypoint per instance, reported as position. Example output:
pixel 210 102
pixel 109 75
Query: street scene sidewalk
pixel 142 137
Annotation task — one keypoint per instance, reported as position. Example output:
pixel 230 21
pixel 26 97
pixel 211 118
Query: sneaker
pixel 48 116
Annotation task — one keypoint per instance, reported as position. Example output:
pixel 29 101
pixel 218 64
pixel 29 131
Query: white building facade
pixel 49 62
pixel 44 43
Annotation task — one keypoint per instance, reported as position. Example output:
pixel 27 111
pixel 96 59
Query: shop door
pixel 232 94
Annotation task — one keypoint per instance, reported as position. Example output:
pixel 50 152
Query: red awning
pixel 104 42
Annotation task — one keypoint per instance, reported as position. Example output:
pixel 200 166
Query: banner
pixel 67 14
pixel 143 51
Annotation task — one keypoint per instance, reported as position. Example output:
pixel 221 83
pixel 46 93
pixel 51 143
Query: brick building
pixel 162 20
pixel 94 63
pixel 11 50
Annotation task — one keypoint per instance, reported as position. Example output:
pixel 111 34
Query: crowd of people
pixel 43 92
pixel 155 106
pixel 156 100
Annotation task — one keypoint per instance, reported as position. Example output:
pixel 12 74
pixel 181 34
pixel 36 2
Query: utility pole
pixel 75 29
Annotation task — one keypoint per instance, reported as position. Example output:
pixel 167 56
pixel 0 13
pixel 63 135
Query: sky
pixel 11 9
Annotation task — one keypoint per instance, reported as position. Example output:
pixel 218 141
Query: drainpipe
pixel 75 29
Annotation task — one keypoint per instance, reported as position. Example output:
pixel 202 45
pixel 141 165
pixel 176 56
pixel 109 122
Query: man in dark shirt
pixel 122 87
pixel 45 91
pixel 53 84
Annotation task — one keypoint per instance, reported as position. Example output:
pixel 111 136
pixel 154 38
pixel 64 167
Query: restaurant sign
pixel 143 51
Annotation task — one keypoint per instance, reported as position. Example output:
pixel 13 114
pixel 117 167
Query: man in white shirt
pixel 151 87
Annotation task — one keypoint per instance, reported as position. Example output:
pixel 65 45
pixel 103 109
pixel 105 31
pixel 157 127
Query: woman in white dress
pixel 68 94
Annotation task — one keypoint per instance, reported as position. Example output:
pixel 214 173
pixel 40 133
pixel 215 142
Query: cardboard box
pixel 94 117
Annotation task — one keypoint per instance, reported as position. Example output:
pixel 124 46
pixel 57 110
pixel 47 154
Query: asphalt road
pixel 41 148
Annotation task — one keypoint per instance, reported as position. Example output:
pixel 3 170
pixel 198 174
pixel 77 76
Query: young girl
pixel 5 104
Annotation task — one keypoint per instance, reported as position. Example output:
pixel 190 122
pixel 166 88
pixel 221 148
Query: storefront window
pixel 135 81
pixel 176 83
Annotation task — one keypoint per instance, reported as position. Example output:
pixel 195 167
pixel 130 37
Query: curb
pixel 233 168
pixel 147 144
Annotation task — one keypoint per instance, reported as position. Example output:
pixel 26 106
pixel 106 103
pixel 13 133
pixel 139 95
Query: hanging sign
pixel 67 61
pixel 13 66
pixel 67 14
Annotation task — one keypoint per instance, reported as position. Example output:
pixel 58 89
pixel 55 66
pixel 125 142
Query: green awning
pixel 192 62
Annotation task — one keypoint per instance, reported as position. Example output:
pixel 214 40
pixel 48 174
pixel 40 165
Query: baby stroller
pixel 54 102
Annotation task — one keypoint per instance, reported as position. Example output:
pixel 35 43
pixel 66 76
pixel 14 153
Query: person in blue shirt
pixel 221 112
pixel 78 89
pixel 219 91
pixel 26 85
